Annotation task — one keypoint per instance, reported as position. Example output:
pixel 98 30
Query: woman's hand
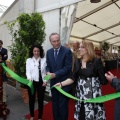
pixel 58 84
pixel 44 84
pixel 64 83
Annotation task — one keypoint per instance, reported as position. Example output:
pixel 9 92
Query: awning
pixel 97 21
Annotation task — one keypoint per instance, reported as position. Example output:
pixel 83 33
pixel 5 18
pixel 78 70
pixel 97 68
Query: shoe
pixel 4 103
pixel 32 118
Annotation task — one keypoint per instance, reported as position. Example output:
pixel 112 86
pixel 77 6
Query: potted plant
pixel 105 46
pixel 118 49
pixel 30 30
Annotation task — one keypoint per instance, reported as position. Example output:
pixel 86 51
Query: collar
pixel 35 59
pixel 57 48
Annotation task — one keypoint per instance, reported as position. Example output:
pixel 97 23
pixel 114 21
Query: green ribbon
pixel 99 99
pixel 47 77
pixel 18 78
pixel 64 93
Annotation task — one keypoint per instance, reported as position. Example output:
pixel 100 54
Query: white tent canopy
pixel 97 22
pixel 73 19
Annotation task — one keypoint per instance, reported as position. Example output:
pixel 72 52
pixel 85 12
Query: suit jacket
pixel 30 68
pixel 4 58
pixel 96 69
pixel 62 67
pixel 116 84
pixel 4 52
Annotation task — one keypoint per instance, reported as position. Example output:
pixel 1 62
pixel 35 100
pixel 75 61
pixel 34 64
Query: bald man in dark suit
pixel 59 67
pixel 115 82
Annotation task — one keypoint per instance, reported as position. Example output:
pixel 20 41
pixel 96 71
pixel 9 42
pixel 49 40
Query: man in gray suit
pixel 115 82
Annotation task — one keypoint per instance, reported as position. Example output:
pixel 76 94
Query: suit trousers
pixel 59 105
pixel 117 109
pixel 40 95
pixel 4 91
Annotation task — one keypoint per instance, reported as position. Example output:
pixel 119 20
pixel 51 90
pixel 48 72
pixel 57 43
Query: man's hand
pixel 52 75
pixel 5 55
pixel 109 76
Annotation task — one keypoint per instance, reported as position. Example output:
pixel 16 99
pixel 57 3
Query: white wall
pixel 10 15
pixel 50 10
pixel 18 6
pixel 51 15
pixel 26 6
pixel 47 5
pixel 51 19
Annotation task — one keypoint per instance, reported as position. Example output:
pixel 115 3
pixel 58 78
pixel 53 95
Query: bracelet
pixel 61 84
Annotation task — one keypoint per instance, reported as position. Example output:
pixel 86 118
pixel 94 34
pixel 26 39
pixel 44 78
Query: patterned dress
pixel 88 86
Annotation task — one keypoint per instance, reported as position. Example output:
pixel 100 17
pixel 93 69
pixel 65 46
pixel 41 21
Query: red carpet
pixel 47 114
pixel 109 106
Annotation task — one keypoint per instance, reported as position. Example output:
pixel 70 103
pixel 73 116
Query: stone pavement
pixel 18 109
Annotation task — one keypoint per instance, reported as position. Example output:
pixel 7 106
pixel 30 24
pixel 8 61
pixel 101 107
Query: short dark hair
pixel 53 34
pixel 39 47
pixel 1 41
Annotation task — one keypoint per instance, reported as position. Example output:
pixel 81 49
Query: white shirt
pixel 57 51
pixel 32 68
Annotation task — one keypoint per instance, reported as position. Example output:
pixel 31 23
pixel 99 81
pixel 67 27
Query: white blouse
pixel 32 68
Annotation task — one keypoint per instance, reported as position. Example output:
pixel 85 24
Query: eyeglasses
pixel 82 47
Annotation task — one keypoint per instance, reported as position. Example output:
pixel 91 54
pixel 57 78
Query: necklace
pixel 83 64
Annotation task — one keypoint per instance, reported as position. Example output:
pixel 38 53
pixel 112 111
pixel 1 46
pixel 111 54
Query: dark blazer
pixel 96 70
pixel 62 67
pixel 4 52
pixel 116 84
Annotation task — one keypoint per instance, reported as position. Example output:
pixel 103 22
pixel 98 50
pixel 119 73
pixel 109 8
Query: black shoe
pixel 4 103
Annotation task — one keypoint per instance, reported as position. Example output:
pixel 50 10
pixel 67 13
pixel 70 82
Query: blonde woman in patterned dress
pixel 89 76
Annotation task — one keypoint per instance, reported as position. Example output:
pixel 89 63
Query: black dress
pixel 88 85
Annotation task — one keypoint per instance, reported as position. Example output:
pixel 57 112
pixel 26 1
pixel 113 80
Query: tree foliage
pixel 30 30
pixel 105 46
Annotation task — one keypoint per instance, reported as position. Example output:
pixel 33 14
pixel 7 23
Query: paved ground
pixel 18 109
pixel 16 105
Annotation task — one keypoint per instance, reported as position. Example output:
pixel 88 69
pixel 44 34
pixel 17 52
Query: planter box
pixel 25 96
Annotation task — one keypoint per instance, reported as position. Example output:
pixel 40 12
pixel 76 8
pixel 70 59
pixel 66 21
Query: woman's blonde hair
pixel 90 48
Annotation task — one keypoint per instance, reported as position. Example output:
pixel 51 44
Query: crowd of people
pixel 75 68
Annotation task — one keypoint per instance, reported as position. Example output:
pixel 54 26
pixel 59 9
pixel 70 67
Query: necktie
pixel 55 54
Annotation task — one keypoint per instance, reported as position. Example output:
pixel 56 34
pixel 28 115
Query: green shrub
pixel 30 30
